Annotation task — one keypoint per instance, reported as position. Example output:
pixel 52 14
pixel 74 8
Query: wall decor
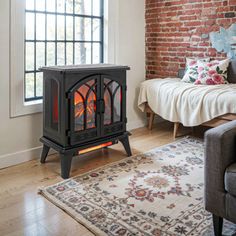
pixel 225 40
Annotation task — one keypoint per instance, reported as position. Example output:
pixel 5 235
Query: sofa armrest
pixel 220 152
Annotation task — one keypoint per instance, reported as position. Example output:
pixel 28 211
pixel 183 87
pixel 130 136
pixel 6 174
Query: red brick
pixel 174 30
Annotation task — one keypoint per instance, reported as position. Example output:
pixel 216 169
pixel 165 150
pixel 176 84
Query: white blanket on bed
pixel 187 103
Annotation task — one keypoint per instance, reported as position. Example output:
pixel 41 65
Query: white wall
pixel 131 51
pixel 19 136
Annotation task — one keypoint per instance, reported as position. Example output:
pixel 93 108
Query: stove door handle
pixel 102 106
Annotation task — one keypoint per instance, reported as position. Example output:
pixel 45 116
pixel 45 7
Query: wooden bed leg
pixel 193 130
pixel 150 122
pixel 176 127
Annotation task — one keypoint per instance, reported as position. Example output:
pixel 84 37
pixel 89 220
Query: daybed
pixel 189 104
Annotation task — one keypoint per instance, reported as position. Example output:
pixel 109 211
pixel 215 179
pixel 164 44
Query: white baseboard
pixel 141 123
pixel 136 124
pixel 22 156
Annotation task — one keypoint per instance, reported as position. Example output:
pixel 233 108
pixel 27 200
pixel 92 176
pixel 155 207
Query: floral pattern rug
pixel 159 192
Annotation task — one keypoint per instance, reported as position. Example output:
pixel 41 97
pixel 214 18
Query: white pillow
pixel 191 71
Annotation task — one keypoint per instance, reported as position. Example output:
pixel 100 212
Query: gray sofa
pixel 220 174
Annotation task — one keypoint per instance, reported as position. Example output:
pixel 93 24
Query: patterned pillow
pixel 191 72
pixel 212 73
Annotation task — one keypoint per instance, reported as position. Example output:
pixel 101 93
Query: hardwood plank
pixel 64 224
pixel 215 122
pixel 34 229
pixel 229 116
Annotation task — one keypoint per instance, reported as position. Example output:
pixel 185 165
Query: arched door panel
pixel 85 121
pixel 112 91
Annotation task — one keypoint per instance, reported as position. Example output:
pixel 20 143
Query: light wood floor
pixel 24 212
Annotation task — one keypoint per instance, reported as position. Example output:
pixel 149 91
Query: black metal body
pixel 62 135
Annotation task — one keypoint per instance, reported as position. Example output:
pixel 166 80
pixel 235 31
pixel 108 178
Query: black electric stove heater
pixel 84 109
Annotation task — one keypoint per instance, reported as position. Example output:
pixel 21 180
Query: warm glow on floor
pixel 95 148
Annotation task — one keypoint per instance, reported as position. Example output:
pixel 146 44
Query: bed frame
pixel 212 123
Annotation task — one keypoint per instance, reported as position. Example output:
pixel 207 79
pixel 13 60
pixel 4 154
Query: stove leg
pixel 125 142
pixel 44 153
pixel 66 160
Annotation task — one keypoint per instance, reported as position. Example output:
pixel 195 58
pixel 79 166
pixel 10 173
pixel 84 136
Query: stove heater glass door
pixel 84 118
pixel 112 99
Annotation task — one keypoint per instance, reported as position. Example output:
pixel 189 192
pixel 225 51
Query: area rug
pixel 159 192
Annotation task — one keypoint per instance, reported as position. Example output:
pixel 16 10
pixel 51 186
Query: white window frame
pixel 17 27
pixel 18 106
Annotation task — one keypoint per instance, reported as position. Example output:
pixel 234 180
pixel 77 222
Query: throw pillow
pixel 191 72
pixel 212 73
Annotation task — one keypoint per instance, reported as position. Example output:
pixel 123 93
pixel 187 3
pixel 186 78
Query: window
pixel 22 104
pixel 60 32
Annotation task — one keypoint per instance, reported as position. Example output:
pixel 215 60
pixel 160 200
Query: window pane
pixel 51 27
pixel 96 30
pixel 50 54
pixel 96 7
pixel 57 34
pixel 83 7
pixel 96 53
pixel 82 28
pixel 69 53
pixel 29 56
pixel 40 26
pixel 29 85
pixel 60 54
pixel 69 6
pixel 39 84
pixel 77 54
pixel 40 55
pixel 50 5
pixel 29 4
pixel 69 28
pixel 61 6
pixel 60 27
pixel 29 21
pixel 82 53
pixel 40 5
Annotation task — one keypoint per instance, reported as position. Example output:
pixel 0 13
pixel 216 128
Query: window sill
pixel 33 102
pixel 27 108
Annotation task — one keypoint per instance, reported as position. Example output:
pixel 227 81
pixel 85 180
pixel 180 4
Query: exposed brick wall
pixel 176 29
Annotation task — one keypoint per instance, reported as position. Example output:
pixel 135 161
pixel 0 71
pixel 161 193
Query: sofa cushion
pixel 232 72
pixel 230 179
